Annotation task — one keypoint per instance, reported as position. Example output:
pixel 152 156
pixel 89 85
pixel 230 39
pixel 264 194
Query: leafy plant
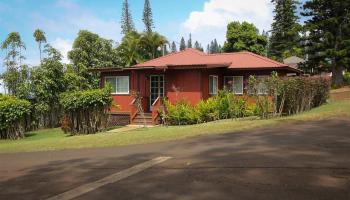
pixel 12 117
pixel 86 111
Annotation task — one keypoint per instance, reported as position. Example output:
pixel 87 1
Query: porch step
pixel 140 120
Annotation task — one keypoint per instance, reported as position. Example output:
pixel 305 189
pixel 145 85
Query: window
pixel 213 85
pixel 120 84
pixel 262 87
pixel 234 84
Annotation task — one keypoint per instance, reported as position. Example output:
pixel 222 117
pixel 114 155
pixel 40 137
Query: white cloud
pixel 63 45
pixel 211 22
pixel 72 18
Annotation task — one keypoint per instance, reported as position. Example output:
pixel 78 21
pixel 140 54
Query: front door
pixel 156 88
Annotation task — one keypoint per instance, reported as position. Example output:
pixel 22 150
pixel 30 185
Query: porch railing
pixel 158 103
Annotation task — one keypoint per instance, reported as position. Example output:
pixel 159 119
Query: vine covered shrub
pixel 12 117
pixel 85 111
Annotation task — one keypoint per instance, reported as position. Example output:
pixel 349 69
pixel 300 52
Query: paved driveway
pixel 294 161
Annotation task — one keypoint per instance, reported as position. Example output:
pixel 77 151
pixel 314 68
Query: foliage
pixel 290 95
pixel 147 17
pixel 198 46
pixel 126 22
pixel 189 42
pixel 244 37
pixel 182 44
pixel 262 101
pixel 328 39
pixel 347 78
pixel 91 51
pixel 223 106
pixel 40 38
pixel 47 83
pixel 136 48
pixel 150 43
pixel 12 117
pixel 214 47
pixel 85 111
pixel 285 39
pixel 13 46
pixel 173 47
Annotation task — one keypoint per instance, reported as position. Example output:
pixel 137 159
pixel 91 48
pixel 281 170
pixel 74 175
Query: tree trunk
pixel 337 74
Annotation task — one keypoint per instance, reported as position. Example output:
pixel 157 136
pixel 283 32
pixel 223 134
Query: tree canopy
pixel 285 34
pixel 147 17
pixel 328 36
pixel 244 37
pixel 127 23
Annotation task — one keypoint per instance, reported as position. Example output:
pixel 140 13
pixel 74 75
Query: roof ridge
pixel 265 58
pixel 171 54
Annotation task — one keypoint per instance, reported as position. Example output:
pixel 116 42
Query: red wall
pixel 183 84
pixel 191 85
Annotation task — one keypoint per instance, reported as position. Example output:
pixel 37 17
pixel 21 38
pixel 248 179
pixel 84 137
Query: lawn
pixel 54 139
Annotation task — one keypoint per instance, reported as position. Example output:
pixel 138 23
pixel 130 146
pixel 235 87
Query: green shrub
pixel 347 78
pixel 223 106
pixel 182 113
pixel 85 111
pixel 12 117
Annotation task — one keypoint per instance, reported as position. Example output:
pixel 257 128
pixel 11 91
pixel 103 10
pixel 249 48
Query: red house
pixel 191 75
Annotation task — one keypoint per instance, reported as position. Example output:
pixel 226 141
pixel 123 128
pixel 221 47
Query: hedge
pixel 12 117
pixel 284 96
pixel 85 111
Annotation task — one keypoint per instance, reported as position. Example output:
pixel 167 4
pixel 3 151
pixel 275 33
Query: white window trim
pixel 217 84
pixel 115 92
pixel 242 86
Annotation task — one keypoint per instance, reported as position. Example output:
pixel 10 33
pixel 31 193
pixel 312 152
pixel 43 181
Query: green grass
pixel 54 139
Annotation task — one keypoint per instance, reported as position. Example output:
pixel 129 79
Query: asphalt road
pixel 292 161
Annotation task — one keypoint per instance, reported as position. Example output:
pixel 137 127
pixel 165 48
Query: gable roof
pixel 193 57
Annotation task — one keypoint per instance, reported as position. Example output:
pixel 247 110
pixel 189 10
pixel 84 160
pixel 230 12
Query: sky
pixel 62 19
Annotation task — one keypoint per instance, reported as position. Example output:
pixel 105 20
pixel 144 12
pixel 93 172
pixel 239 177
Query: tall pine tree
pixel 182 44
pixel 328 39
pixel 127 23
pixel 173 47
pixel 189 42
pixel 285 38
pixel 147 17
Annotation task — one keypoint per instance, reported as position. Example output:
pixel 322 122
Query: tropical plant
pixel 151 42
pixel 13 45
pixel 40 38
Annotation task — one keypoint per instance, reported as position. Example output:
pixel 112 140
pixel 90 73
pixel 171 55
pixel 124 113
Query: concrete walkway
pixel 127 128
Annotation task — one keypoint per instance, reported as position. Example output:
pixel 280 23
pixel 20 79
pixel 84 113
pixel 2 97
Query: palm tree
pixel 129 50
pixel 39 36
pixel 151 42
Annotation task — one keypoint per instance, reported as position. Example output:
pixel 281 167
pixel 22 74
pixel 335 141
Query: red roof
pixel 193 57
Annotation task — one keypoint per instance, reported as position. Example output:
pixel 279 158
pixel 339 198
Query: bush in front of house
pixel 223 106
pixel 347 78
pixel 299 94
pixel 12 117
pixel 85 111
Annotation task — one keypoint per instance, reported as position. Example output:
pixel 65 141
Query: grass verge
pixel 54 139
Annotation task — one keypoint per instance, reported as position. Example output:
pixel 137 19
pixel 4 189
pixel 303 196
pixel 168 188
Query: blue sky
pixel 62 19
